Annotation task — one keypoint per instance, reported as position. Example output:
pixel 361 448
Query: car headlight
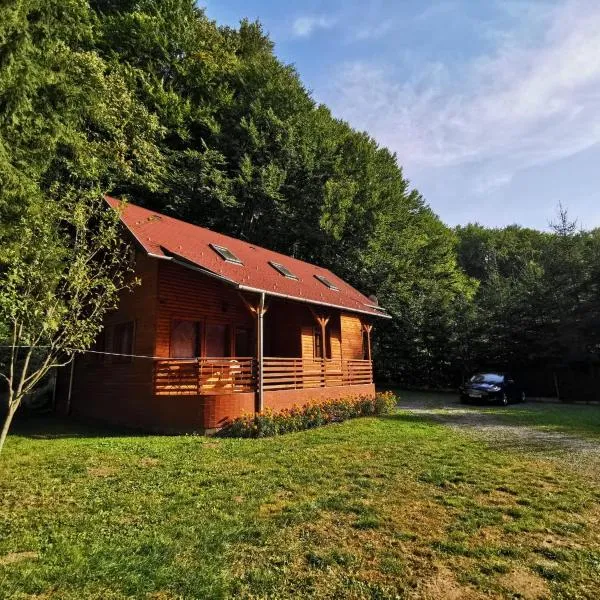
pixel 495 388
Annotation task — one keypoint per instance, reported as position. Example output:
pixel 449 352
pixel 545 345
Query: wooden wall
pixel 109 388
pixel 351 329
pixel 187 294
pixel 283 325
pixel 121 392
pixel 335 335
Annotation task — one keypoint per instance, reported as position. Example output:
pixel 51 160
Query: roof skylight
pixel 226 254
pixel 326 282
pixel 283 270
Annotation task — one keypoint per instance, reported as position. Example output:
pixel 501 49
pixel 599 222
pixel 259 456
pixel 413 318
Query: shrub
pixel 312 414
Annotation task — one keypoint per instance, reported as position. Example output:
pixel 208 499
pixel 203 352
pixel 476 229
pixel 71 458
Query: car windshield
pixel 487 378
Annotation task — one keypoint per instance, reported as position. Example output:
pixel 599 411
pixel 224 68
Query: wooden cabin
pixel 219 327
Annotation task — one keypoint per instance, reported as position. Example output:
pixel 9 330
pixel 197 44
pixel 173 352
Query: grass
pixel 373 508
pixel 574 419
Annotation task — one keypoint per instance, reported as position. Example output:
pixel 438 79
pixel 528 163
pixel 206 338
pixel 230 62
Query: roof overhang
pixel 184 262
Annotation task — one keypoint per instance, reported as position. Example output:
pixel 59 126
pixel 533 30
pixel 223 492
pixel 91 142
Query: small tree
pixel 62 265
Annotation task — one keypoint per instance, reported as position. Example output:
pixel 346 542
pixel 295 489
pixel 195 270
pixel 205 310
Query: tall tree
pixel 69 128
pixel 55 288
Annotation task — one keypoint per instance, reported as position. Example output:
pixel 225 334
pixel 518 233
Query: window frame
pixel 317 347
pixel 283 270
pixel 326 282
pixel 226 254
pixel 122 359
pixel 199 326
pixel 227 339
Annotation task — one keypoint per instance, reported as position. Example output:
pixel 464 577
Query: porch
pixel 219 376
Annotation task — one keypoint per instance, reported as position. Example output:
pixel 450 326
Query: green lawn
pixel 575 419
pixel 373 508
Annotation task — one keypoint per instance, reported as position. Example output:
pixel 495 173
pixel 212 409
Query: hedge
pixel 312 414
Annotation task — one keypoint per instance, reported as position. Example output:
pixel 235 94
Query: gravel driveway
pixel 482 423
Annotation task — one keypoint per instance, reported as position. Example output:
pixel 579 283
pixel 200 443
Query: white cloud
pixel 534 99
pixel 305 26
pixel 373 31
pixel 436 10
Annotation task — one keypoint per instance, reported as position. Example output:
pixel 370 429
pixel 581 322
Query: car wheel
pixel 504 400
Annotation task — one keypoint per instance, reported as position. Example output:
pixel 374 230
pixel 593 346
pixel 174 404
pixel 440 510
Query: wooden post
pixel 261 351
pixel 322 322
pixel 368 328
pixel 259 312
pixel 68 408
pixel 54 383
pixel 556 386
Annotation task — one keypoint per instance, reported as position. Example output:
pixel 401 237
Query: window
pixel 318 341
pixel 185 339
pixel 96 354
pixel 365 345
pixel 122 343
pixel 243 342
pixel 217 340
pixel 326 282
pixel 283 270
pixel 487 378
pixel 226 254
pixel 318 350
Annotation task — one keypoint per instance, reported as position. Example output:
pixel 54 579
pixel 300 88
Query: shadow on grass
pixel 48 427
pixel 408 417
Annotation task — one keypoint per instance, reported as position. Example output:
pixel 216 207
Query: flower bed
pixel 313 414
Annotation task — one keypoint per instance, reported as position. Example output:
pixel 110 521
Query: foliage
pixel 151 100
pixel 312 414
pixel 249 153
pixel 55 287
pixel 70 127
pixel 537 306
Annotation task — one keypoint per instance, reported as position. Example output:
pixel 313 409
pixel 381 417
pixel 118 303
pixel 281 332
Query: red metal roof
pixel 168 238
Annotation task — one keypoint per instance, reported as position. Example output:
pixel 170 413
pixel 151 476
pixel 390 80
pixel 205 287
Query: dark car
pixel 497 388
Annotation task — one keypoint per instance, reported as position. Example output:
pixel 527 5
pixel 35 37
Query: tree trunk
pixel 12 409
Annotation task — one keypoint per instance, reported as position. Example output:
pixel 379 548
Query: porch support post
pixel 323 343
pixel 368 328
pixel 322 322
pixel 260 313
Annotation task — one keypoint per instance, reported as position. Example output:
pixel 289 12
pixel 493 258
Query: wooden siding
pixel 308 341
pixel 335 336
pixel 107 388
pixel 351 330
pixel 123 393
pixel 186 294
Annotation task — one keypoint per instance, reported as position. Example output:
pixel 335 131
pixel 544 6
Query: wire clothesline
pixel 120 354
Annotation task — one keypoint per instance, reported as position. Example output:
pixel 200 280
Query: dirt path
pixel 478 421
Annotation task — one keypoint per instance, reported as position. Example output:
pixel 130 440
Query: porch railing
pixel 204 376
pixel 232 375
pixel 301 373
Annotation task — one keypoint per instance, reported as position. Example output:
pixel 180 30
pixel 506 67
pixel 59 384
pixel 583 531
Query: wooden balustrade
pixel 302 373
pixel 232 375
pixel 204 376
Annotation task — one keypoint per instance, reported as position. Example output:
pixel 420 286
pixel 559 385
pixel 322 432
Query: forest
pixel 152 101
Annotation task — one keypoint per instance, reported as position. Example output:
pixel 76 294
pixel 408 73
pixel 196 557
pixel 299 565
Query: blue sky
pixel 492 106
